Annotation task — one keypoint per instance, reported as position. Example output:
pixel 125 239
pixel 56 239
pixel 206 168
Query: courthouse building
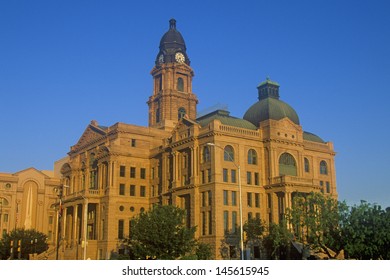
pixel 195 162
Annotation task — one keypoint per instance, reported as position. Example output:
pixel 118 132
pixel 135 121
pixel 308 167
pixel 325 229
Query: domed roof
pixel 172 45
pixel 172 39
pixel 224 117
pixel 269 106
pixel 308 136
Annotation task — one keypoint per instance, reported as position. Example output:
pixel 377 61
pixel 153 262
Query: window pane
pixel 122 171
pixel 249 199
pixel 249 178
pixel 234 198
pixel 121 189
pixel 233 176
pixel 225 175
pixel 225 198
pixel 228 153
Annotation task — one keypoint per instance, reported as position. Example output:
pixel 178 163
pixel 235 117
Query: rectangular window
pixel 249 178
pixel 234 198
pixel 234 222
pixel 121 225
pixel 225 198
pixel 122 189
pixel 209 175
pixel 250 215
pixel 204 223
pixel 210 198
pixel 225 175
pixel 249 199
pixel 132 190
pixel 143 191
pixel 225 221
pixel 210 223
pixel 203 199
pixel 203 177
pixel 257 181
pixel 257 200
pixel 51 220
pixel 269 198
pixel 143 173
pixel 133 142
pixel 233 176
pixel 132 172
pixel 122 171
pixel 152 175
pixel 327 187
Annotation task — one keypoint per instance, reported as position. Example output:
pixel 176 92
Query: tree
pixel 277 242
pixel 317 222
pixel 203 251
pixel 254 229
pixel 24 242
pixel 367 232
pixel 161 234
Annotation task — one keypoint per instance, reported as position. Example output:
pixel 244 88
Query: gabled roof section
pixel 224 117
pixel 31 169
pixel 92 133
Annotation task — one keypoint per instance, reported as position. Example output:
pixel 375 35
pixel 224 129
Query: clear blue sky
pixel 65 63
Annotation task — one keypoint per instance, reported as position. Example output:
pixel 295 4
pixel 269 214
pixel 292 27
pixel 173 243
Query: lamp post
pixel 240 198
pixel 59 191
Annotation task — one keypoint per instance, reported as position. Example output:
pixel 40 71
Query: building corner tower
pixel 172 97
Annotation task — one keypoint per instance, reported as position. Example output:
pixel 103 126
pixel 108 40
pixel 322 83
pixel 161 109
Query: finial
pixel 172 23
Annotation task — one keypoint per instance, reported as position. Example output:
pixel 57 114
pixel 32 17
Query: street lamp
pixel 240 199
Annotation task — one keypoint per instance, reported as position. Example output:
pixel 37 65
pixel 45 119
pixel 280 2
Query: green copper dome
pixel 224 117
pixel 269 106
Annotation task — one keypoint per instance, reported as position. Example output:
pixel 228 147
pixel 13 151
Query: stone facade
pixel 27 200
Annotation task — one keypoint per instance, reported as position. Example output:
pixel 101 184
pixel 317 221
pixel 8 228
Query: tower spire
pixel 172 23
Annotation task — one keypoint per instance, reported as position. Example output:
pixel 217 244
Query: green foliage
pixel 367 232
pixel 161 234
pixel 317 221
pixel 254 229
pixel 203 251
pixel 31 241
pixel 277 241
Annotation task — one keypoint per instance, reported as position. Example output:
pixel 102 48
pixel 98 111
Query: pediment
pixel 31 170
pixel 90 135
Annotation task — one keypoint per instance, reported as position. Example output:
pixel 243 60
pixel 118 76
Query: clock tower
pixel 172 97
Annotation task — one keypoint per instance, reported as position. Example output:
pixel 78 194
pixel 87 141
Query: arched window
pixel 3 202
pixel 180 84
pixel 307 165
pixel 228 153
pixel 252 157
pixel 206 154
pixel 323 168
pixel 287 165
pixel 181 113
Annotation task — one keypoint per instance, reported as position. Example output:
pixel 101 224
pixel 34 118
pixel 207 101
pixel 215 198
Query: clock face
pixel 180 57
pixel 161 58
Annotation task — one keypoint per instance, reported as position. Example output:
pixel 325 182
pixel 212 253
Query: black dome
pixel 172 39
pixel 171 43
